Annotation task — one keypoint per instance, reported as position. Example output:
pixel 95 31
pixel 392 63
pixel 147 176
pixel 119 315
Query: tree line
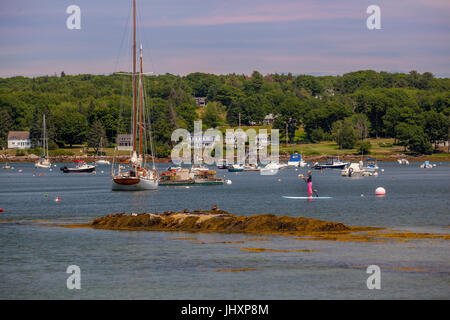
pixel 412 108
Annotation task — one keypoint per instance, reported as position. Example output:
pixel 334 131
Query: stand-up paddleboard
pixel 307 198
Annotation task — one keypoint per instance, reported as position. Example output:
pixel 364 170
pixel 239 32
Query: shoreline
pixel 282 157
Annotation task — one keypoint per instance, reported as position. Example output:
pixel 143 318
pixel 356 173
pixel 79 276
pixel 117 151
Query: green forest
pixel 412 108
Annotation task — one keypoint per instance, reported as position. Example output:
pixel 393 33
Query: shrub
pixel 20 153
pixel 36 151
pixel 385 145
pixel 60 152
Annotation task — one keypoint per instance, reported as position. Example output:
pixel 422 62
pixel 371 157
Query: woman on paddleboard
pixel 308 180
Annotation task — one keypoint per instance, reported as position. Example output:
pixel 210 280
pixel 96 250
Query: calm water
pixel 148 265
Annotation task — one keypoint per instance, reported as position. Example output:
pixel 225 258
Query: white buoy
pixel 380 191
pixel 187 187
pixel 229 182
pixel 362 195
pixel 382 170
pixel 279 180
pixel 375 173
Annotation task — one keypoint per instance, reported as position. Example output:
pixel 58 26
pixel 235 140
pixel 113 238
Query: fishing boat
pixel 136 176
pixel 81 167
pixel 296 160
pixel 332 163
pixel 44 161
pixel 102 159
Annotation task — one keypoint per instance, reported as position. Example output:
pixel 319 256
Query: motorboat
pixel 272 168
pixel 356 170
pixel 296 160
pixel 332 163
pixel 371 165
pixel 81 167
pixel 426 165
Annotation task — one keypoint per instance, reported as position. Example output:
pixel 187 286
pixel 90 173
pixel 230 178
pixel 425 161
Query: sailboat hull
pixel 42 165
pixel 133 184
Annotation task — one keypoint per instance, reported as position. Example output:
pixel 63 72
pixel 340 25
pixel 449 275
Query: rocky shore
pixel 216 220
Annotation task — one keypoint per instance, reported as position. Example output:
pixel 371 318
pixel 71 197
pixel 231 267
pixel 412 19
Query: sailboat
pixel 102 159
pixel 137 176
pixel 44 161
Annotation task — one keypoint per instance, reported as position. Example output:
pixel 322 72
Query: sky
pixel 225 36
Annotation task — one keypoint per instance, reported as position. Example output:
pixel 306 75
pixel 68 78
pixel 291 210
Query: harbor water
pixel 34 253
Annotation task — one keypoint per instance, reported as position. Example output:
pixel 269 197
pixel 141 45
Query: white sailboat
pixel 44 161
pixel 137 176
pixel 102 159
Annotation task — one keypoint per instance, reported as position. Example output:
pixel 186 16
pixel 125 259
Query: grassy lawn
pixel 331 148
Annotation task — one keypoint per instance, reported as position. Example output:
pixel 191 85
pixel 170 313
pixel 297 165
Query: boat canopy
pixel 371 159
pixel 295 157
pixel 427 162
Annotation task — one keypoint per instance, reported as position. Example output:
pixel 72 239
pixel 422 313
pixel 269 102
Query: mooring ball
pixel 380 191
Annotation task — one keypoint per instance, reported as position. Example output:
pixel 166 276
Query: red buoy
pixel 1 210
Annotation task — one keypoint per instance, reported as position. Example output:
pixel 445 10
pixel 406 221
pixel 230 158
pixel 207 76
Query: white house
pixel 19 140
pixel 125 142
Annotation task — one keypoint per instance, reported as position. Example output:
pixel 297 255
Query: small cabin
pixel 19 140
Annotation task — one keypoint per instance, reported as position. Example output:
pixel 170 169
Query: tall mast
pixel 134 75
pixel 44 146
pixel 141 99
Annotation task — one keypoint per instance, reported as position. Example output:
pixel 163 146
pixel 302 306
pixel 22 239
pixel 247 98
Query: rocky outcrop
pixel 215 220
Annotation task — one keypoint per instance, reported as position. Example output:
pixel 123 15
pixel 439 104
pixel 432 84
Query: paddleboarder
pixel 308 180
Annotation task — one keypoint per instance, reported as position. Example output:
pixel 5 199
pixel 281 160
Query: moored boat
pixel 81 167
pixel 370 165
pixel 136 176
pixel 426 165
pixel 332 163
pixel 182 177
pixel 44 161
pixel 236 168
pixel 296 160
pixel 102 159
